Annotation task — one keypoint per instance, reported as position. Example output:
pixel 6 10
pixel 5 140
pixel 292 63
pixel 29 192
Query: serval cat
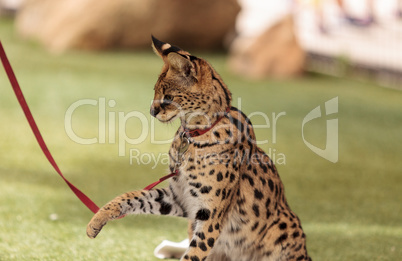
pixel 223 183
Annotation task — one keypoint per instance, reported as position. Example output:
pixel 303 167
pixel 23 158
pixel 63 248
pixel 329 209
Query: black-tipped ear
pixel 157 45
pixel 161 48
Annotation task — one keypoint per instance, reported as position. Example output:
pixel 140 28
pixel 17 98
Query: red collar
pixel 199 132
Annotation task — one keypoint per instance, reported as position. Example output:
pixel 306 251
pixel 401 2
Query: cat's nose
pixel 155 110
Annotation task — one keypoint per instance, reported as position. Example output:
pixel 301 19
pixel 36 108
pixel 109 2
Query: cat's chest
pixel 181 153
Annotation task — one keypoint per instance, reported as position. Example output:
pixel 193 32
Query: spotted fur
pixel 226 186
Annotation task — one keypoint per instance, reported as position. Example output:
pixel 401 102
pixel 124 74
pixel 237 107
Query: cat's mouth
pixel 166 118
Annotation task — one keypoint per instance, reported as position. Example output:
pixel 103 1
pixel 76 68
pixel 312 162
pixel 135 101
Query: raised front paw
pixel 96 224
pixel 99 220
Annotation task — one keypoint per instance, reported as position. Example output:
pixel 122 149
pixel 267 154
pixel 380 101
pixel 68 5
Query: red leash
pixel 17 90
pixel 150 186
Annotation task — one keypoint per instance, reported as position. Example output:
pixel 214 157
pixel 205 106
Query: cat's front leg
pixel 155 201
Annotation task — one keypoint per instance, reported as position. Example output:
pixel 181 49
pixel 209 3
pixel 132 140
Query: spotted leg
pixel 155 201
pixel 208 219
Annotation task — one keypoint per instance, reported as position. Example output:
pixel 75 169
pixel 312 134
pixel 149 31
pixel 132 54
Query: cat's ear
pixel 163 49
pixel 181 64
pixel 178 60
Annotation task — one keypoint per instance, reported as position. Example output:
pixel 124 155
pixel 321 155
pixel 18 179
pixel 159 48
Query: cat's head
pixel 187 88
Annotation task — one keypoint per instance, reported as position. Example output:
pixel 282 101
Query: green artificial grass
pixel 350 210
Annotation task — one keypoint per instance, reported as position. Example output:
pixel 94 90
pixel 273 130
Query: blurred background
pixel 277 57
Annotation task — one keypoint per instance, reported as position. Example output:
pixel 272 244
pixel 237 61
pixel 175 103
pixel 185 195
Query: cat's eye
pixel 168 98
